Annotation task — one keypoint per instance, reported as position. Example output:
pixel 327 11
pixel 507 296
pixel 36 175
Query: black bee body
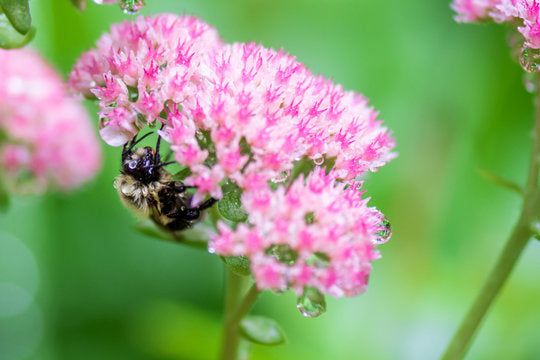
pixel 146 187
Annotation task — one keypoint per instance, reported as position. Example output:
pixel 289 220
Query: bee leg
pixel 191 214
pixel 205 205
pixel 180 187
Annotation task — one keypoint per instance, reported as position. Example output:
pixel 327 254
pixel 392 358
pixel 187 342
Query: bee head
pixel 141 164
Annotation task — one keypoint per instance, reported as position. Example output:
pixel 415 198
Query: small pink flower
pixel 309 241
pixel 50 141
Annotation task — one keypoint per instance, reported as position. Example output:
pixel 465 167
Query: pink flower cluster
pixel 139 67
pixel 315 234
pixel 46 138
pixel 248 114
pixel 525 11
pixel 283 113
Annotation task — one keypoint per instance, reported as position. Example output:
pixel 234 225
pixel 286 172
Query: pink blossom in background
pixel 524 12
pixel 317 234
pixel 137 68
pixel 47 139
pixel 474 10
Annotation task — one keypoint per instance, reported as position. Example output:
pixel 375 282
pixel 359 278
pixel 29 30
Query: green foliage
pixel 230 206
pixel 4 197
pixel 18 13
pixel 194 237
pixel 79 4
pixel 10 38
pixel 262 330
pixel 535 227
pixel 499 180
pixel 182 174
pixel 239 265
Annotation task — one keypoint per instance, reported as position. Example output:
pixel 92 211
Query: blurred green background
pixel 88 286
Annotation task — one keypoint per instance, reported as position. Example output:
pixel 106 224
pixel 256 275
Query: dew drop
pixel 311 303
pixel 318 159
pixel 535 227
pixel 529 59
pixel 283 254
pixel 529 82
pixel 385 232
pixel 115 183
pixel 99 2
pixel 211 250
pixel 282 177
pixel 131 6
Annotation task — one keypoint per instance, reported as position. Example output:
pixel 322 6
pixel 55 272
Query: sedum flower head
pixel 317 233
pixel 244 117
pixel 46 138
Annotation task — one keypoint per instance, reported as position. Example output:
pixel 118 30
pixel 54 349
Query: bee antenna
pixel 167 163
pixel 135 142
pixel 157 158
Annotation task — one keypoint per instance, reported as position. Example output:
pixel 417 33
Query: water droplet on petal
pixel 99 2
pixel 318 159
pixel 530 59
pixel 131 6
pixel 282 177
pixel 311 303
pixel 385 232
pixel 211 250
pixel 283 254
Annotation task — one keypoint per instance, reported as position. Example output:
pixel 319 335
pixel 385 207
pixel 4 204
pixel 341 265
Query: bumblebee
pixel 145 187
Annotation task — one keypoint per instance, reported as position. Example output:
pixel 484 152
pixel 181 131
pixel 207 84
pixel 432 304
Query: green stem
pixel 235 309
pixel 510 254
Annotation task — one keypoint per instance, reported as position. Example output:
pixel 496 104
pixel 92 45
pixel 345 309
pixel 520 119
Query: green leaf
pixel 10 38
pixel 181 175
pixel 535 227
pixel 18 13
pixel 262 330
pixel 194 237
pixel 230 206
pixel 239 265
pixel 4 197
pixel 79 4
pixel 499 180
